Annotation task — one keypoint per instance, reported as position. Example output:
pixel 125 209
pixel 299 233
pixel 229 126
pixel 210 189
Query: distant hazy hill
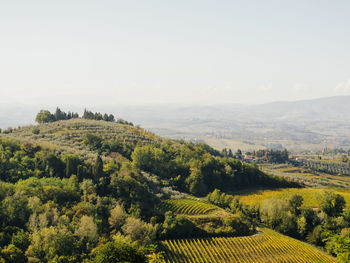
pixel 307 124
pixel 299 125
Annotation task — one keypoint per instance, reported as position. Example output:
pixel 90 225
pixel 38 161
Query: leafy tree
pixel 87 229
pixel 51 242
pixel 177 226
pixel 150 159
pixel 139 231
pixel 295 202
pixel 119 251
pixel 195 182
pixel 272 212
pixel 13 254
pixel 21 240
pixel 339 246
pixel 117 217
pixel 93 141
pixel 44 116
pixel 332 204
pixel 111 117
pixel 316 237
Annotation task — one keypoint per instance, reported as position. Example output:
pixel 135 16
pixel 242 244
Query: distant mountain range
pixel 299 125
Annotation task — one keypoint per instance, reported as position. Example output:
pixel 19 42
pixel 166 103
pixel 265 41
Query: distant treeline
pixel 335 151
pixel 335 168
pixel 272 156
pixel 97 116
pixel 45 116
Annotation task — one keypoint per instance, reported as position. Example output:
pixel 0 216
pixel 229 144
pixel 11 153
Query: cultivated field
pixel 306 176
pixel 267 246
pixel 68 135
pixel 311 196
pixel 188 207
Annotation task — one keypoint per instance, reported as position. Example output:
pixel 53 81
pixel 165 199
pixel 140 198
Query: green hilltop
pixel 68 136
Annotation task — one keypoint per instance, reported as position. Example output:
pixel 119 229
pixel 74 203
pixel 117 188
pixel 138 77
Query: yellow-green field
pixel 311 196
pixel 188 206
pixel 267 246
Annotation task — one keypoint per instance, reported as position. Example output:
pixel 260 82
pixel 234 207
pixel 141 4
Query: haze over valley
pixel 296 125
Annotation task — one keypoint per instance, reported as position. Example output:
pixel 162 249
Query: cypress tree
pixel 97 169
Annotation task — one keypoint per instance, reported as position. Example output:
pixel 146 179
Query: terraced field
pixel 68 135
pixel 267 246
pixel 188 207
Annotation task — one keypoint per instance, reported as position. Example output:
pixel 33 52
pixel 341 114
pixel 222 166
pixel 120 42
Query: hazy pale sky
pixel 143 52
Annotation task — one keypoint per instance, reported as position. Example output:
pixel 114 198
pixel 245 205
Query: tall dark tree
pixel 97 169
pixel 111 117
pixel 239 154
pixel 60 115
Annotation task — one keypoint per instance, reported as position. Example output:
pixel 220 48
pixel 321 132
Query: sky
pixel 83 52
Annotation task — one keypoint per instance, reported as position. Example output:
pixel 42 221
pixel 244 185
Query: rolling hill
pixel 68 135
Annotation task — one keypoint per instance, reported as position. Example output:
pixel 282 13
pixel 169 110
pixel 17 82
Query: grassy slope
pixel 67 136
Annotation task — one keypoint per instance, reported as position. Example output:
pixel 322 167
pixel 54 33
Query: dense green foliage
pixel 328 227
pixel 54 208
pixel 59 206
pixel 121 251
pixel 21 161
pixel 225 201
pixel 190 168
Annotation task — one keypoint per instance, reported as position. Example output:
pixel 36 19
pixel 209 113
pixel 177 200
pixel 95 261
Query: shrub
pixel 36 131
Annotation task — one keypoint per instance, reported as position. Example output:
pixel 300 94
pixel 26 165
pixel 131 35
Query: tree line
pixel 272 156
pixel 97 116
pixel 335 168
pixel 45 116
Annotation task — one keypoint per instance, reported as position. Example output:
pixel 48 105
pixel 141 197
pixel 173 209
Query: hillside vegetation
pixel 83 190
pixel 87 190
pixel 68 135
